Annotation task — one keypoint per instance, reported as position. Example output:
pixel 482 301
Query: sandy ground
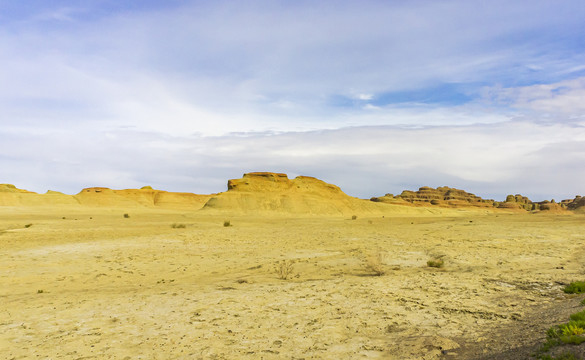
pixel 96 285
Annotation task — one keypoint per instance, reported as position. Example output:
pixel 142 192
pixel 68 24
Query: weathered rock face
pixel 518 202
pixel 265 192
pixel 441 196
pixel 576 204
pixel 275 192
pixel 10 195
pixel 103 197
pixel 9 188
pixel 144 197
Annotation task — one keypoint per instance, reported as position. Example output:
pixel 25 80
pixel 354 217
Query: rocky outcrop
pixel 576 204
pixel 517 202
pixel 144 197
pixel 441 196
pixel 265 192
pixel 10 195
pixel 276 193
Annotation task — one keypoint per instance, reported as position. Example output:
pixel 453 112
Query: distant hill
pixel 103 197
pixel 442 196
pixel 455 198
pixel 267 192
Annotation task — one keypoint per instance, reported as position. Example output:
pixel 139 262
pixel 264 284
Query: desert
pixel 279 268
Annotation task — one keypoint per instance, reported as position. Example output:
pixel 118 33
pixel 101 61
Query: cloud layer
pixel 373 96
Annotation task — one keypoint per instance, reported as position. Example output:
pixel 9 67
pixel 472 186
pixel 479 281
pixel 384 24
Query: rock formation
pixel 275 193
pixel 103 197
pixel 441 196
pixel 265 192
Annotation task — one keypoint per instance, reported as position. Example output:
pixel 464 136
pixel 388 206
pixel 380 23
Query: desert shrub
pixel 436 263
pixel 571 328
pixel 353 217
pixel 178 226
pixel 374 264
pixel 577 287
pixel 284 269
pixel 40 291
pixel 28 225
pixel 580 316
pixel 227 223
pixel 126 216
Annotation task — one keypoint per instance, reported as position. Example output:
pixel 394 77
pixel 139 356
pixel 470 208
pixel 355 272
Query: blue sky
pixel 373 96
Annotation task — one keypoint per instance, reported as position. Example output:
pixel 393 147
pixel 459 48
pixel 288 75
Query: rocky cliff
pixel 442 196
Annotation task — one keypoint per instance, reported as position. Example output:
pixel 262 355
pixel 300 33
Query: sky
pixel 373 96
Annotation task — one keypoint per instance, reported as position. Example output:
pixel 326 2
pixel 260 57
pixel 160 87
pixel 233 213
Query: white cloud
pixel 541 161
pixel 264 67
pixel 115 99
pixel 561 98
pixel 365 97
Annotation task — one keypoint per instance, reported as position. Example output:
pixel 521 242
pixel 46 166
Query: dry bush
pixel 178 226
pixel 227 223
pixel 374 264
pixel 284 269
pixel 436 263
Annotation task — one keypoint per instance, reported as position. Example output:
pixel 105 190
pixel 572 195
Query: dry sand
pixel 98 285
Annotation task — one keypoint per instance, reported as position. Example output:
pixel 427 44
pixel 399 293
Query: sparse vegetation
pixel 572 332
pixel 178 226
pixel 28 225
pixel 284 269
pixel 227 223
pixel 40 291
pixel 375 265
pixel 576 287
pixel 126 216
pixel 436 263
pixel 354 217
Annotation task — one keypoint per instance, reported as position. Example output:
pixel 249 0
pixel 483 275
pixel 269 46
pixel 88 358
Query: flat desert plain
pixel 89 283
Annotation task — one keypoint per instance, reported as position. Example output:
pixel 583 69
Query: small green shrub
pixel 571 329
pixel 580 316
pixel 227 223
pixel 178 226
pixel 577 287
pixel 436 263
pixel 126 216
